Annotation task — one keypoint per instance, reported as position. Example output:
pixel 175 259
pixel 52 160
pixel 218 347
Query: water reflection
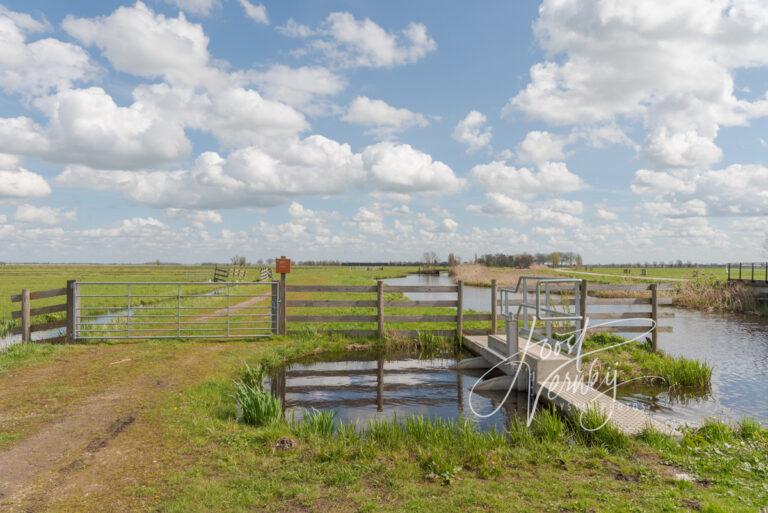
pixel 359 387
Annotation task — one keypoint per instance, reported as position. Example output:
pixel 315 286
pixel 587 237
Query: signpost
pixel 282 266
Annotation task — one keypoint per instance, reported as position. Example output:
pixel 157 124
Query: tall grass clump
pixel 256 406
pixel 317 422
pixel 6 325
pixel 548 425
pixel 593 428
pixel 709 293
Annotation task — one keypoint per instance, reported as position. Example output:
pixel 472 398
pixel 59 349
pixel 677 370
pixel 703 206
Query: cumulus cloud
pixel 256 12
pixel 605 215
pixel 556 212
pixel 197 218
pixel 299 87
pixel 668 65
pixel 43 215
pixel 198 7
pixel 138 41
pixel 345 41
pixel 473 132
pixel 17 182
pixel 41 66
pixel 384 119
pixel 539 147
pixel 552 177
pixel 401 168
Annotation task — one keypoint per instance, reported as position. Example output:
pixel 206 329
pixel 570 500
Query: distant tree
pixel 429 258
pixel 239 261
pixel 579 261
pixel 453 260
pixel 555 259
pixel 765 245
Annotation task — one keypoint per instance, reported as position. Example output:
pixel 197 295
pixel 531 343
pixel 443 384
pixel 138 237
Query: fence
pixel 372 307
pixel 183 310
pixel 27 314
pixel 378 310
pixel 748 271
pixel 140 310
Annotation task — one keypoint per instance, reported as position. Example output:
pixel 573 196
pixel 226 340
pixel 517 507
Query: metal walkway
pixel 629 420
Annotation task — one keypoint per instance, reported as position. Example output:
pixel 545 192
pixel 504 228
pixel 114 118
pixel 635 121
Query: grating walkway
pixel 575 398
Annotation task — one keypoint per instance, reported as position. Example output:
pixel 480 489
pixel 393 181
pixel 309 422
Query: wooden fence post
pixel 655 316
pixel 583 287
pixel 380 307
pixel 26 335
pixel 494 308
pixel 460 309
pixel 71 311
pixel 275 306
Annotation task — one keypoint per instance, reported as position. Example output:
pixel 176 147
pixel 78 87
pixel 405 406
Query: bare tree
pixel 430 258
pixel 239 261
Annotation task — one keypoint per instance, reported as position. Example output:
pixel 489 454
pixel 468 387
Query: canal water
pixel 736 346
pixel 360 387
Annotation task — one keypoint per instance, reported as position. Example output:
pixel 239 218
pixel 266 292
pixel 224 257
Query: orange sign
pixel 283 265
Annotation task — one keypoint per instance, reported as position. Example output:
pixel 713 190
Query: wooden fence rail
pixel 26 313
pixel 382 315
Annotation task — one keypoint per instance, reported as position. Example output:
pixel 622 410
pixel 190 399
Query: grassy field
pixel 151 426
pixel 635 274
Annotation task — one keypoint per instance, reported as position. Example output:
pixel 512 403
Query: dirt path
pixel 95 431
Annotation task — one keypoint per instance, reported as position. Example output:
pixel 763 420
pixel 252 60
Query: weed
pixel 256 406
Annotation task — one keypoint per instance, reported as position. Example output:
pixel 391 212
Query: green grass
pixel 636 360
pixel 417 464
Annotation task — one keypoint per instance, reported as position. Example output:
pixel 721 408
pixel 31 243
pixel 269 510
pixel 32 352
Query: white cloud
pixel 539 147
pixel 552 177
pixel 682 149
pixel 43 215
pixel 401 168
pixel 658 182
pixel 667 64
pixel 38 67
pixel 298 87
pixel 472 131
pixel 346 41
pixel 369 221
pixel 17 182
pixel 256 12
pixel 449 225
pixel 605 214
pixel 138 41
pixel 198 7
pixel 133 228
pixel 197 218
pixel 690 208
pixel 384 118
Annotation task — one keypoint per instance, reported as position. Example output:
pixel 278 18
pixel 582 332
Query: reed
pixel 706 292
pixel 594 429
pixel 256 406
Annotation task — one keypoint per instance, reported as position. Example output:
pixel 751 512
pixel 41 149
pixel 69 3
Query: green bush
pixel 257 406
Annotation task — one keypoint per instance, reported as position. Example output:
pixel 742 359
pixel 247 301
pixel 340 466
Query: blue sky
pixel 191 130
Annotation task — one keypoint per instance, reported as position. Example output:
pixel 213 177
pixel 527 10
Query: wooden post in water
pixel 26 334
pixel 494 308
pixel 583 303
pixel 71 310
pixel 380 307
pixel 460 309
pixel 655 316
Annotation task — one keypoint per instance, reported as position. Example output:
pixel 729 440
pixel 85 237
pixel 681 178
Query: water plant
pixel 317 422
pixel 256 406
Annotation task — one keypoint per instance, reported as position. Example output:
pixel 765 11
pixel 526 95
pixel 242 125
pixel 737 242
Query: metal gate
pixel 142 310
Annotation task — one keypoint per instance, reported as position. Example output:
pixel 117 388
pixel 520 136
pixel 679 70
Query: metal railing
pixel 143 310
pixel 747 271
pixel 544 311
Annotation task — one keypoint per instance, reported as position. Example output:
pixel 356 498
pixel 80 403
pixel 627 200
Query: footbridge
pixel 541 353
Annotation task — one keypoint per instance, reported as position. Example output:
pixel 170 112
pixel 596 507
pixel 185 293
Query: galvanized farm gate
pixel 180 310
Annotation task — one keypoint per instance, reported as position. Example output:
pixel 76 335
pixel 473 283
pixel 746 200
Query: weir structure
pixel 540 353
